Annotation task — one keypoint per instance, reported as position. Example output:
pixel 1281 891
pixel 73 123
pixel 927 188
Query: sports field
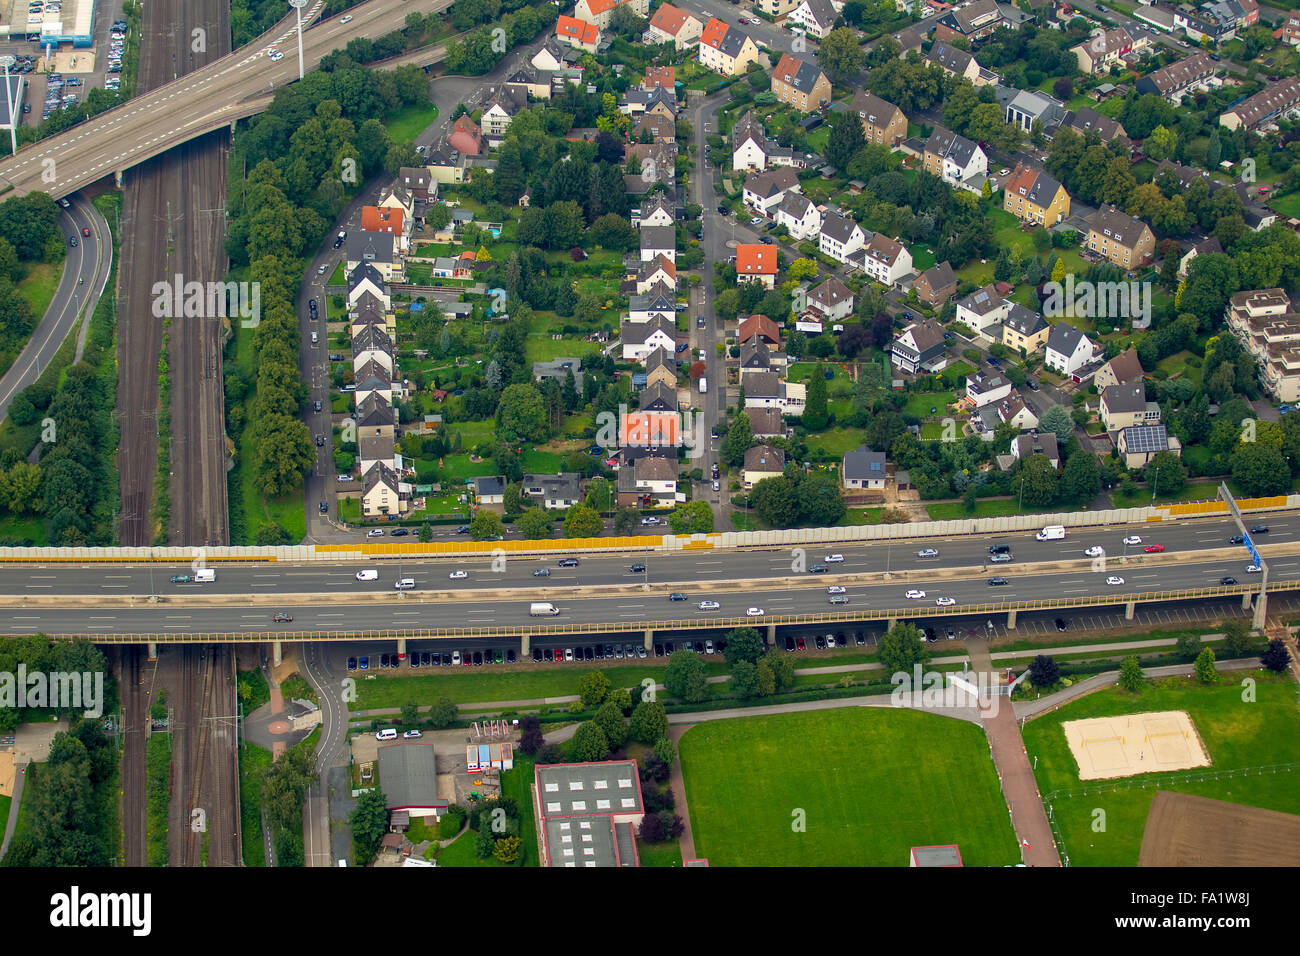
pixel 869 783
pixel 1237 733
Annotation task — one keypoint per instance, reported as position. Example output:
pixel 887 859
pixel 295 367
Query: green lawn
pixel 1196 491
pixel 881 782
pixel 1178 363
pixel 1237 735
pixel 518 783
pixel 659 854
pixel 920 403
pixel 863 516
pixel 24 530
pixel 39 286
pixel 835 441
pixel 405 125
pixel 956 510
pixel 254 762
pixel 1288 205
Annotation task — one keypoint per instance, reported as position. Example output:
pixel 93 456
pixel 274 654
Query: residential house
pixel 671 25
pixel 1136 446
pixel 559 369
pixel 1212 22
pixel 1173 82
pixel 376 449
pixel 378 250
pixel 651 481
pixel 1269 329
pixel 387 221
pixel 765 390
pixel 760 326
pixel 466 136
pixel 756 262
pixel 664 77
pixel 725 49
pixel 658 210
pixel 656 272
pixel 1085 120
pixel 756 356
pixel 372 344
pixel 658 164
pixel 641 338
pixel 490 490
pixel 883 123
pixel 863 469
pixel 799 215
pixel 373 376
pixel 381 494
pixel 658 101
pixel 764 191
pixel 375 416
pixel 1123 406
pixel 1123 369
pixel 365 279
pixel 578 34
pixel 370 311
pixel 936 285
pixel 1024 329
pixel 599 12
pixel 748 144
pixel 1025 446
pixel 1035 197
pixel 920 347
pixel 658 398
pixel 1110 48
pixel 661 369
pixel 985 388
pixel 886 260
pixel 762 461
pixel 1011 410
pixel 1291 29
pixel 1068 350
pixel 534 84
pixel 959 63
pixel 801 83
pixel 831 300
pixel 656 130
pixel 840 237
pixel 1117 236
pixel 659 241
pixel 815 17
pixel 419 181
pixel 766 422
pixel 500 109
pixel 446 164
pixel 974 21
pixel 1025 107
pixel 777 8
pixel 1278 100
pixel 554 492
pixel 956 160
pixel 982 310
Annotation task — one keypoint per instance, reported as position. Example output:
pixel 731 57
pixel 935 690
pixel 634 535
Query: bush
pixel 451 821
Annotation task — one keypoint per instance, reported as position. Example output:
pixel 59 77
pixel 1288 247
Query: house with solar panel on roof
pixel 863 469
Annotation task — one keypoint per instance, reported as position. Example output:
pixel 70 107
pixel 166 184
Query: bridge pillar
pixel 1129 608
pixel 771 634
pixel 649 639
pixel 1261 613
pixel 117 177
pixel 401 647
pixel 1011 619
pixel 525 646
pixel 153 650
pixel 1245 600
pixel 891 624
pixel 276 654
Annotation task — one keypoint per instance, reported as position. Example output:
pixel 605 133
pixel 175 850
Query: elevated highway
pixel 236 86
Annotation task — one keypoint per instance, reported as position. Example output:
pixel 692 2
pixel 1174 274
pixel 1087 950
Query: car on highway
pixel 1000 549
pixel 915 595
pixel 636 569
pixel 1114 580
pixel 181 579
pixel 346 19
pixel 375 533
pixel 1096 551
pixel 927 553
pixel 72 241
pixel 541 572
pixel 1154 548
pixel 316 406
pixel 325 267
pixel 458 575
pixel 677 596
pixel 1236 539
pixel 1133 539
pixel 275 54
pixel 945 601
pixel 369 574
pixel 281 618
pixel 1001 558
pixel 817 569
pixel 568 563
pixel 834 559
pixel 405 584
pixel 709 605
pixel 1259 529
pixel 65 204
pixel 85 230
pixel 1253 569
pixel 1227 581
pixel 998 582
pixel 837 589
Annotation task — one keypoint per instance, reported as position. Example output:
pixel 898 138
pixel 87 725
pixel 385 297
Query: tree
pixel 410 714
pixel 369 822
pixel 740 438
pixel 625 520
pixel 583 522
pixel 685 676
pixel 485 526
pixel 508 849
pixel 744 680
pixel 589 743
pixel 649 722
pixel 521 414
pixel 593 688
pixel 443 713
pixel 845 139
pixel 651 829
pixel 530 734
pixel 535 523
pixel 1037 483
pixel 485 844
pixel 1057 420
pixel 1044 672
pixel 1276 657
pixel 612 723
pixel 776 502
pixel 821 502
pixel 901 648
pixel 1130 673
pixel 1236 637
pixel 693 517
pixel 1187 646
pixel 1166 474
pixel 1161 144
pixel 840 56
pixel 1258 469
pixel 426 533
pixel 744 644
pixel 666 751
pixel 814 415
pixel 1205 672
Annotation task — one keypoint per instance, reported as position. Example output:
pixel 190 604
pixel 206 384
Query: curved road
pixel 85 274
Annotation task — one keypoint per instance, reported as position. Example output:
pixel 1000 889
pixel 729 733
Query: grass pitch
pixel 872 783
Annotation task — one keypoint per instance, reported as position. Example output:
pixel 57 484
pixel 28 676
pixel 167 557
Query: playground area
pixel 1126 745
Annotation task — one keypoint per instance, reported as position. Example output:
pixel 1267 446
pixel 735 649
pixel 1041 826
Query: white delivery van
pixel 370 574
pixel 406 584
pixel 543 610
pixel 205 575
pixel 386 734
pixel 1053 532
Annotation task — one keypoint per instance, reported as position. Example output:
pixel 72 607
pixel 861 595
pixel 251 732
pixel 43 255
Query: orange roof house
pixel 466 136
pixel 761 326
pixel 756 261
pixel 665 76
pixel 713 33
pixel 577 32
pixel 382 219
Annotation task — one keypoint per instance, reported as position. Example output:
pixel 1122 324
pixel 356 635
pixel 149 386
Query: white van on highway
pixel 406 584
pixel 1053 532
pixel 205 575
pixel 370 574
pixel 539 609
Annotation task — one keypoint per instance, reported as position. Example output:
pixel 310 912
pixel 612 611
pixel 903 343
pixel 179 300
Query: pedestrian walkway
pixel 1033 832
pixel 14 803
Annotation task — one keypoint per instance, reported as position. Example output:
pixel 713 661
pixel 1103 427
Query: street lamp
pixel 1020 506
pixel 11 99
pixel 1155 482
pixel 297 6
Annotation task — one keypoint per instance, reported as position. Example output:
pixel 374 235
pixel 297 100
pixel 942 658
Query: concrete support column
pixel 117 177
pixel 401 647
pixel 1261 612
pixel 649 639
pixel 153 650
pixel 1245 600
pixel 276 654
pixel 1011 620
pixel 891 624
pixel 1129 609
pixel 525 646
pixel 771 634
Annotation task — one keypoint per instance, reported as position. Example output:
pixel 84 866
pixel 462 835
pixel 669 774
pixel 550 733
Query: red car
pixel 1155 548
pixel 799 643
pixel 559 655
pixel 85 231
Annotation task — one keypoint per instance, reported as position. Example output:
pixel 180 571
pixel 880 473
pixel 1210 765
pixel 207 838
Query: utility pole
pixel 11 99
pixel 297 6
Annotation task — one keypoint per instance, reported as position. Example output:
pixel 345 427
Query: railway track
pixel 134 731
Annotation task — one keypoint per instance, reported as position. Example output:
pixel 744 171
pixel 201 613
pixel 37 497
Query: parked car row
pixel 828 641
